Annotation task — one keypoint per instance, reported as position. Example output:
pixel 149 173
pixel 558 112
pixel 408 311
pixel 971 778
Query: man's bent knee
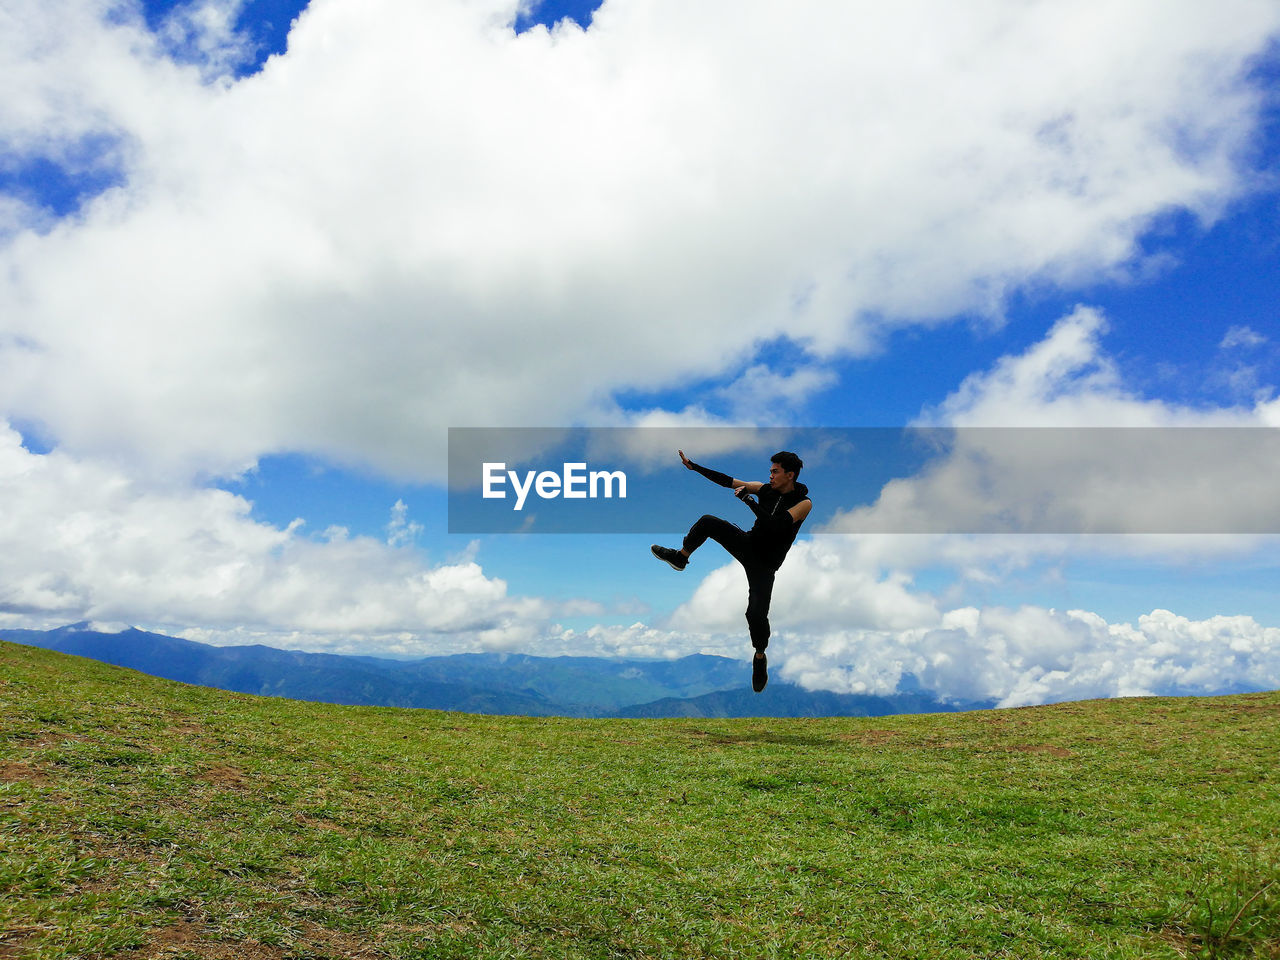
pixel 699 532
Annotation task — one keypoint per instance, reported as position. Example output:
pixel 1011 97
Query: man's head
pixel 783 470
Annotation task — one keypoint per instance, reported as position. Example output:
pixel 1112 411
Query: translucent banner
pixel 1218 480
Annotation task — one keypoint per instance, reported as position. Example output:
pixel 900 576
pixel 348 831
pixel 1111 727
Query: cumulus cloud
pixel 1037 450
pixel 369 239
pixel 816 588
pixel 84 541
pixel 858 630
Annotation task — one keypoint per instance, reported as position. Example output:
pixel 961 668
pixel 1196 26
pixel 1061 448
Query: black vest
pixel 770 538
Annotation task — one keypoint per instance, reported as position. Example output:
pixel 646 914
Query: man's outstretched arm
pixel 722 479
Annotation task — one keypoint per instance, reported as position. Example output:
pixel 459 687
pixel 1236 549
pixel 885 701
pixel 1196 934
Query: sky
pixel 257 257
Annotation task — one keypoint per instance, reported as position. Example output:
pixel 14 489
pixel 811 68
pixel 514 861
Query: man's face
pixel 779 477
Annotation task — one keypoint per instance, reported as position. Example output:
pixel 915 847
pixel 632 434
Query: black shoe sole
pixel 670 563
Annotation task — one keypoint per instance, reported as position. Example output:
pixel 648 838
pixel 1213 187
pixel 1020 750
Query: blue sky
pixel 259 256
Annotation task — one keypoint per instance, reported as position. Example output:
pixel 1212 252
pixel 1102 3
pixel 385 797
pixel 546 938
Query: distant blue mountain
pixel 494 683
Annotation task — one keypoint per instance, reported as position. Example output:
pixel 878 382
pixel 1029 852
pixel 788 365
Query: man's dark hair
pixel 788 461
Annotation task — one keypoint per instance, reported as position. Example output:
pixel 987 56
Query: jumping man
pixel 782 506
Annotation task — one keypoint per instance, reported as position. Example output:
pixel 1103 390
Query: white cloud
pixel 1241 377
pixel 767 396
pixel 1064 380
pixel 1036 451
pixel 378 234
pixel 1241 336
pixel 108 626
pixel 637 640
pixel 203 32
pixel 17 215
pixel 401 531
pixel 1032 655
pixel 84 541
pixel 817 587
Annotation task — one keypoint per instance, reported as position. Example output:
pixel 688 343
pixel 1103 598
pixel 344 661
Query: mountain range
pixel 493 683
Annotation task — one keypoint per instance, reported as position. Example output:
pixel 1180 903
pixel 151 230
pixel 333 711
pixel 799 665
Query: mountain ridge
pixel 517 684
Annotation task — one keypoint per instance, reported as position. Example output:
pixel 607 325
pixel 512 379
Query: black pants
pixel 759 570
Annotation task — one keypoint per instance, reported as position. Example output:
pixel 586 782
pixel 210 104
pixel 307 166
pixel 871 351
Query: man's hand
pixel 744 494
pixel 688 464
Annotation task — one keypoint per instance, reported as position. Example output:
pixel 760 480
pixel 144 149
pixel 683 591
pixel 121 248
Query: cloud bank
pixel 1032 656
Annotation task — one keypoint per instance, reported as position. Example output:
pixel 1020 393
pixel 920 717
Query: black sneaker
pixel 677 559
pixel 759 672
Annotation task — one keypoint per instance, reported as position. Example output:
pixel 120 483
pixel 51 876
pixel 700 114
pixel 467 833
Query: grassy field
pixel 141 818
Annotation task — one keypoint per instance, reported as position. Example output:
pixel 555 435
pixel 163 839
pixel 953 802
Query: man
pixel 780 510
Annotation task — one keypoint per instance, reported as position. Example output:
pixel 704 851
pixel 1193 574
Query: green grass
pixel 142 818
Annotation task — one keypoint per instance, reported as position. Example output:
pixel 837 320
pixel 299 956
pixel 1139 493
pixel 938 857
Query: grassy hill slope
pixel 142 818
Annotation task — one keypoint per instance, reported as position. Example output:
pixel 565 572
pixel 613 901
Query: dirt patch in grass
pixel 16 771
pixel 225 775
pixel 186 938
pixel 338 943
pixel 1249 707
pixel 17 943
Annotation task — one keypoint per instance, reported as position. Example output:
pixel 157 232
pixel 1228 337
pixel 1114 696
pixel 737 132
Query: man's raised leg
pixel 729 535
